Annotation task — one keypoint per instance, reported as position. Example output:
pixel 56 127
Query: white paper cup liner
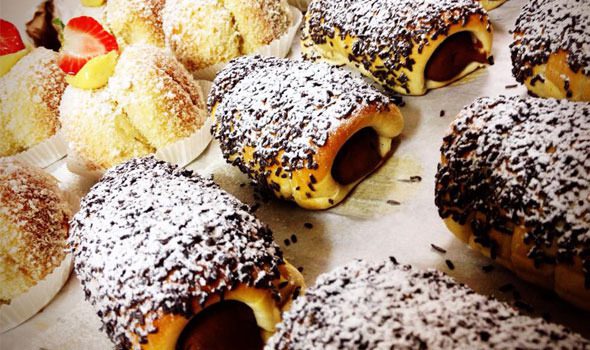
pixel 300 4
pixel 44 153
pixel 29 303
pixel 181 152
pixel 277 48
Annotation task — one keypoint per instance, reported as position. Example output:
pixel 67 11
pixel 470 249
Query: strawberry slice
pixel 10 40
pixel 84 39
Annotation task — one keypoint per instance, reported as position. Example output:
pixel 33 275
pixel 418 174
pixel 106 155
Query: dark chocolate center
pixel 358 157
pixel 227 325
pixel 453 55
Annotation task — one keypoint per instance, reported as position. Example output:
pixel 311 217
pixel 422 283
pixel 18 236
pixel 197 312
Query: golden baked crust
pixel 514 183
pixel 154 245
pixel 550 49
pixel 150 101
pixel 284 123
pixel 30 94
pixel 203 33
pixel 393 41
pixel 136 21
pixel 34 225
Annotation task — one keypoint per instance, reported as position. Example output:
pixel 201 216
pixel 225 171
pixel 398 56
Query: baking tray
pixel 392 213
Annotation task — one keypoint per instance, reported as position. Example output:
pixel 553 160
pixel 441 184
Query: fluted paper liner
pixel 44 153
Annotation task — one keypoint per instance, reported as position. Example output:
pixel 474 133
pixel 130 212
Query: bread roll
pixel 408 46
pixel 30 94
pixel 550 51
pixel 307 132
pixel 390 306
pixel 514 183
pixel 34 217
pixel 170 261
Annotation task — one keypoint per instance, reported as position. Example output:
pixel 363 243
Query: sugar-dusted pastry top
pixel 288 108
pixel 522 161
pixel 546 27
pixel 391 306
pixel 388 29
pixel 152 238
pixel 34 225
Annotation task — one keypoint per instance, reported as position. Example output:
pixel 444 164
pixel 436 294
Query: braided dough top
pixel 151 239
pixel 545 27
pixel 522 161
pixel 287 110
pixel 390 306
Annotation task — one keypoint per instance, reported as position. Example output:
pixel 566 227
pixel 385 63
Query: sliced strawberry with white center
pixel 10 40
pixel 84 39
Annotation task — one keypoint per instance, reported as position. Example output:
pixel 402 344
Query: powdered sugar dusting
pixel 522 161
pixel 151 238
pixel 390 306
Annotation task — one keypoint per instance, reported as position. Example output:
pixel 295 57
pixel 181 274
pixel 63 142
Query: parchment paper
pixel 364 226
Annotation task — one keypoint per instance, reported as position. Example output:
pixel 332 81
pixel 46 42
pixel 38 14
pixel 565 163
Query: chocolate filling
pixel 358 156
pixel 227 325
pixel 453 55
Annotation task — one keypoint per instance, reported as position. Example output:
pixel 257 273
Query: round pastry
pixel 150 101
pixel 514 183
pixel 308 132
pixel 34 217
pixel 550 52
pixel 406 45
pixel 30 94
pixel 203 33
pixel 390 306
pixel 136 21
pixel 170 261
pixel 491 4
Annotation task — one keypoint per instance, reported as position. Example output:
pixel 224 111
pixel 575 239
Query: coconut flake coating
pixel 521 161
pixel 391 306
pixel 387 29
pixel 151 238
pixel 288 109
pixel 545 27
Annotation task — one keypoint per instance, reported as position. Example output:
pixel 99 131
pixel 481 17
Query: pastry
pixel 149 102
pixel 34 225
pixel 203 33
pixel 41 28
pixel 170 261
pixel 550 52
pixel 490 4
pixel 389 306
pixel 514 183
pixel 308 132
pixel 408 46
pixel 36 79
pixel 136 21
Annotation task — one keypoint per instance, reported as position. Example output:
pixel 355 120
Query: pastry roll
pixel 389 306
pixel 514 183
pixel 308 132
pixel 550 51
pixel 406 45
pixel 170 261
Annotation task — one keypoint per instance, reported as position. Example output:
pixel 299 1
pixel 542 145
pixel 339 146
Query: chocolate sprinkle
pixel 438 249
pixel 521 161
pixel 487 268
pixel 393 202
pixel 450 264
pixel 151 238
pixel 390 306
pixel 308 225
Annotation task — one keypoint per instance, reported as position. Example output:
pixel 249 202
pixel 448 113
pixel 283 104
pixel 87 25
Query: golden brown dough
pixel 514 183
pixel 308 132
pixel 406 45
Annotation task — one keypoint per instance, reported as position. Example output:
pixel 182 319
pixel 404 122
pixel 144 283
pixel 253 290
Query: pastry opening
pixel 453 55
pixel 227 325
pixel 358 157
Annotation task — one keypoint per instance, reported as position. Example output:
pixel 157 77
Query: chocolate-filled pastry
pixel 550 52
pixel 171 261
pixel 514 183
pixel 308 132
pixel 409 46
pixel 490 4
pixel 389 306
